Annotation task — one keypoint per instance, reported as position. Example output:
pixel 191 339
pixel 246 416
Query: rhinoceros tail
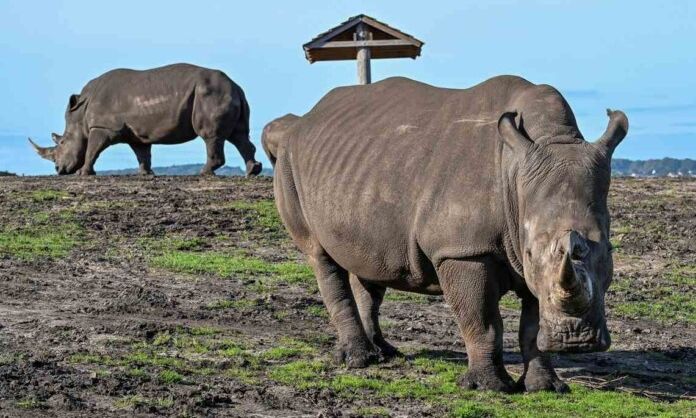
pixel 241 129
pixel 274 133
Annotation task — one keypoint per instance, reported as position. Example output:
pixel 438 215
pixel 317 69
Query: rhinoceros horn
pixel 576 285
pixel 44 152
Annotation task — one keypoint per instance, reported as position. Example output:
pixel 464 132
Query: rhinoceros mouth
pixel 573 335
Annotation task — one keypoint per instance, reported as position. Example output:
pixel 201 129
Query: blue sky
pixel 635 56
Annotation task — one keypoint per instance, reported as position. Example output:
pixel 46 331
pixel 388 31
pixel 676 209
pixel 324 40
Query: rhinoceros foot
pixel 356 355
pixel 537 380
pixel 386 350
pixel 487 379
pixel 253 168
pixel 85 171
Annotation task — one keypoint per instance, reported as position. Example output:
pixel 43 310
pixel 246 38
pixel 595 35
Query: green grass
pixel 227 265
pixel 288 348
pixel 510 301
pixel 676 307
pixel 317 310
pixel 47 195
pixel 373 412
pixel 399 296
pixel 29 403
pixel 263 214
pixel 169 377
pixel 433 381
pixel 41 235
pixel 668 299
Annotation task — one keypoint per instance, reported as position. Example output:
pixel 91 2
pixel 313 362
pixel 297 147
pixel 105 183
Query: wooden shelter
pixel 362 38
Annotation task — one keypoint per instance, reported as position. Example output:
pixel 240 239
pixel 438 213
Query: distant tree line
pixel 6 173
pixel 659 168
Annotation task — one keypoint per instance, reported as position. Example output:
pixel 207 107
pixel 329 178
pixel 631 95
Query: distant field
pixel 184 296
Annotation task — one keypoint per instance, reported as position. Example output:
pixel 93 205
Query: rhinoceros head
pixel 563 229
pixel 69 152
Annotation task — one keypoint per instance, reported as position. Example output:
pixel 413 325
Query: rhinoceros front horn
pixel 44 152
pixel 573 280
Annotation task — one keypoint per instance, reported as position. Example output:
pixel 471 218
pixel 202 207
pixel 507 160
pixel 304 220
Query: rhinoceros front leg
pixel 353 348
pixel 538 369
pixel 368 297
pixel 144 155
pixel 471 289
pixel 97 142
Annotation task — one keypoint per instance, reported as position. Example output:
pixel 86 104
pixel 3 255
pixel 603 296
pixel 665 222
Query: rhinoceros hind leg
pixel 539 374
pixel 353 347
pixel 144 156
pixel 248 152
pixel 215 149
pixel 369 297
pixel 471 287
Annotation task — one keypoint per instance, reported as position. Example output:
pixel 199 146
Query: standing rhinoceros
pixel 166 105
pixel 467 193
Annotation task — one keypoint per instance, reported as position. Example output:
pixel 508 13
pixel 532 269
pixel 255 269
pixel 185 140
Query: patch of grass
pixel 263 213
pixel 669 298
pixel 510 301
pixel 433 380
pixel 137 373
pixel 683 275
pixel 203 331
pixel 226 265
pixel 373 412
pixel 399 296
pixel 317 310
pixel 42 235
pixel 87 358
pixel 288 348
pixel 169 377
pixel 47 195
pixel 677 307
pixel 29 403
pixel 144 358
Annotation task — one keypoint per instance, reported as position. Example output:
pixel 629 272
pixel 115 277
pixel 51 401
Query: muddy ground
pixel 161 296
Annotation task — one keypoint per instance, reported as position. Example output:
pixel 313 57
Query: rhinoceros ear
pixel 616 131
pixel 510 134
pixel 74 103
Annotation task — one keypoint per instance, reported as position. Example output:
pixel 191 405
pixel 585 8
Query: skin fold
pixel 166 105
pixel 467 193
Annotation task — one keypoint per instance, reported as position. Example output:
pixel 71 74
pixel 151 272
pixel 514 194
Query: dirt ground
pixel 113 302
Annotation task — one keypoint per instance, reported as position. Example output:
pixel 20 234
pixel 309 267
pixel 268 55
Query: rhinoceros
pixel 166 105
pixel 468 193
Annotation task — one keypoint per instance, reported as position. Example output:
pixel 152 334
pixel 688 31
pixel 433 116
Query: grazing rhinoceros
pixel 166 105
pixel 466 193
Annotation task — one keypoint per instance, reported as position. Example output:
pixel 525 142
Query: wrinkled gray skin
pixel 166 105
pixel 466 193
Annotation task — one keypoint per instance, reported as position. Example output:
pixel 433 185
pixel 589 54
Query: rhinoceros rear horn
pixel 510 134
pixel 44 152
pixel 616 131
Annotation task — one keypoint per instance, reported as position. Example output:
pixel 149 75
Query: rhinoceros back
pixel 390 172
pixel 169 104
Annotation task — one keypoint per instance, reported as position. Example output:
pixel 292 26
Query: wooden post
pixel 363 58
